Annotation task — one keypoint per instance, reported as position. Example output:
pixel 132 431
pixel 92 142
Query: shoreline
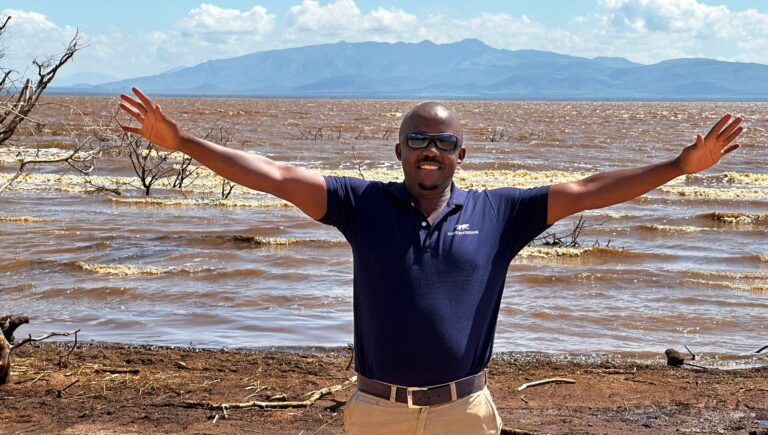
pixel 711 360
pixel 49 392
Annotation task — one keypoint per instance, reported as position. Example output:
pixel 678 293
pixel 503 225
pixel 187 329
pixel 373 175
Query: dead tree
pixel 17 106
pixel 17 101
pixel 149 165
pixel 570 240
pixel 8 325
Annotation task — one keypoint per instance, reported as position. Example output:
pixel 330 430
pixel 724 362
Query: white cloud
pixel 683 16
pixel 311 23
pixel 31 35
pixel 654 30
pixel 339 17
pixel 212 19
pixel 389 22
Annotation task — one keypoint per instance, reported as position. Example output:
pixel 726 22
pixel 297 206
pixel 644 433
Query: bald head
pixel 434 115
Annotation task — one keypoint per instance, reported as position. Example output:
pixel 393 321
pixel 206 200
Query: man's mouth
pixel 429 166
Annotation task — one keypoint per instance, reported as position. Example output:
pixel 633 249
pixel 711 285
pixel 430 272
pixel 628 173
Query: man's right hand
pixel 305 189
pixel 155 126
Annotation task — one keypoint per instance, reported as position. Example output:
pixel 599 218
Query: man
pixel 430 259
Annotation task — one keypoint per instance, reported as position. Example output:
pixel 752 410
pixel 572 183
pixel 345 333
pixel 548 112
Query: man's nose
pixel 432 147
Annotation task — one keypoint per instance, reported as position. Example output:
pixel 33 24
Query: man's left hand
pixel 708 150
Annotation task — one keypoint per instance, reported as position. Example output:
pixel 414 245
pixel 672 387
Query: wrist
pixel 182 139
pixel 678 166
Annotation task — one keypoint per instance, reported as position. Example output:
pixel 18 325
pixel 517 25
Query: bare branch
pixel 5 23
pixel 31 339
pixel 17 111
pixel 313 397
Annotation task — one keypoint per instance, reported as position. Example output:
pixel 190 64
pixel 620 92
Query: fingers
pixel 730 149
pixel 719 126
pixel 726 132
pixel 133 103
pixel 148 104
pixel 129 129
pixel 732 136
pixel 135 114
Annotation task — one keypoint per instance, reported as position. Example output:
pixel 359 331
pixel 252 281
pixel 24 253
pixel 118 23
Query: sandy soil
pixel 82 394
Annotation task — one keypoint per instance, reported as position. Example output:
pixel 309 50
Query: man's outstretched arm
pixel 608 188
pixel 303 188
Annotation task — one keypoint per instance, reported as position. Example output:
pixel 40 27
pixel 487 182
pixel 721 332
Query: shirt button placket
pixel 424 232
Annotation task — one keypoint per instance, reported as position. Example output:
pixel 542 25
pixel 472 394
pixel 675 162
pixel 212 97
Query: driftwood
pixel 118 370
pixel 546 381
pixel 762 349
pixel 9 325
pixel 314 396
pixel 677 359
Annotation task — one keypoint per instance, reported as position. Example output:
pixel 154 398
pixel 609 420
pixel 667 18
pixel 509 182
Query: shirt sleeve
pixel 521 214
pixel 342 196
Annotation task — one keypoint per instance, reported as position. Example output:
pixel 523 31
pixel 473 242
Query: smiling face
pixel 429 171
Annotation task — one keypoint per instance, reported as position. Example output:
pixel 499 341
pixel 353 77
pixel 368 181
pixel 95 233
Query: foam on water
pixel 23 219
pixel 670 228
pixel 133 270
pixel 717 193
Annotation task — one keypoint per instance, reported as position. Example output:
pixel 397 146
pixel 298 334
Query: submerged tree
pixel 19 97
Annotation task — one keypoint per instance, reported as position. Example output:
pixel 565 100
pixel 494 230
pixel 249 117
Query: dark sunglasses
pixel 443 141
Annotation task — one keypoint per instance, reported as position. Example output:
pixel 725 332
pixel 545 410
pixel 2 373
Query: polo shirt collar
pixel 458 196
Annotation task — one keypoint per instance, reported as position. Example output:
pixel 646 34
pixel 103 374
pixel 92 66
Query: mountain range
pixel 466 69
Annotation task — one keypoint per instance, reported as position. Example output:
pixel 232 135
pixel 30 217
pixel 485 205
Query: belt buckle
pixel 409 395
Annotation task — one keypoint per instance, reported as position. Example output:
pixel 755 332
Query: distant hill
pixel 466 69
pixel 83 79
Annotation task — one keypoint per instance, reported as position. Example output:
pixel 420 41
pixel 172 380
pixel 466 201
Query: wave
pixel 14 154
pixel 546 252
pixel 728 178
pixel 732 275
pixel 282 241
pixel 172 202
pixel 755 287
pixel 745 179
pixel 670 229
pixel 609 214
pixel 121 270
pixel 717 193
pixel 23 219
pixel 208 182
pixel 735 217
pixel 17 263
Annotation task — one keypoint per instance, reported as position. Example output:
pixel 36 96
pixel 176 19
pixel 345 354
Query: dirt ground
pixel 84 393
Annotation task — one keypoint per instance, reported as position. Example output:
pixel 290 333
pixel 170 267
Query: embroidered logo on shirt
pixel 461 230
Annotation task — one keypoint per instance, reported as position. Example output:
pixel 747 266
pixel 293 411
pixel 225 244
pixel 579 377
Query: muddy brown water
pixel 686 264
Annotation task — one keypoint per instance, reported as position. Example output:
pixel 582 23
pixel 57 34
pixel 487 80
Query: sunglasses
pixel 443 141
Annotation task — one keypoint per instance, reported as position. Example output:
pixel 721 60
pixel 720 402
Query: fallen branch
pixel 61 393
pixel 546 381
pixel 762 349
pixel 314 397
pixel 119 370
pixel 31 339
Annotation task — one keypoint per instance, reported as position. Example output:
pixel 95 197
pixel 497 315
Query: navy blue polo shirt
pixel 426 296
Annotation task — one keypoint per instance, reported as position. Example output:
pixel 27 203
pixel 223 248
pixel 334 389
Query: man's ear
pixel 398 151
pixel 462 153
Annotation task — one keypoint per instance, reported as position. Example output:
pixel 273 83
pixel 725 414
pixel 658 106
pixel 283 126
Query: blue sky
pixel 128 39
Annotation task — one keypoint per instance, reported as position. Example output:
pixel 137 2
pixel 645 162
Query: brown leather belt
pixel 423 396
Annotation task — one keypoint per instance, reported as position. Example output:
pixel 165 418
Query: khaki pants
pixel 370 415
